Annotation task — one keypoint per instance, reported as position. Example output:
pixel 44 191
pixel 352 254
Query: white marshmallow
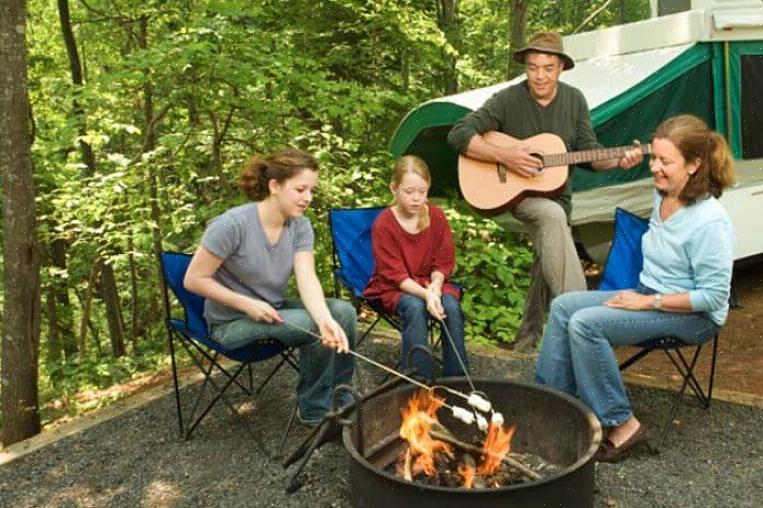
pixel 478 402
pixel 464 415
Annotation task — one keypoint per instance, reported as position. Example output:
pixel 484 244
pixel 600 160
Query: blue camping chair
pixel 193 334
pixel 353 264
pixel 353 259
pixel 621 271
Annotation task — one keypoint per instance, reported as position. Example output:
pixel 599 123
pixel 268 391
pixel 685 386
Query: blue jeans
pixel 321 369
pixel 415 318
pixel 576 354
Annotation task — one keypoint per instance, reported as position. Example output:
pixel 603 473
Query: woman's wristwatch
pixel 657 302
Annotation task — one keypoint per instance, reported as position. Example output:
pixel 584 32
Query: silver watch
pixel 657 303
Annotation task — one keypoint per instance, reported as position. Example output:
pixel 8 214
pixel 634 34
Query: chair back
pixel 174 266
pixel 351 238
pixel 625 260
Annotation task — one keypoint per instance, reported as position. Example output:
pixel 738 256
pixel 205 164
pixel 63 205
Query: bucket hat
pixel 545 42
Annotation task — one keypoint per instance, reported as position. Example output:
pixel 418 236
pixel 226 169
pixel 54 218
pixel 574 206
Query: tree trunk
pixel 55 348
pixel 21 277
pixel 518 36
pixel 75 66
pixel 113 312
pixel 60 295
pixel 110 294
pixel 153 178
pixel 446 15
pixel 85 302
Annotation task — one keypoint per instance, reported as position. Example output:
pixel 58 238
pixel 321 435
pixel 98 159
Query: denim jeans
pixel 321 369
pixel 414 315
pixel 576 354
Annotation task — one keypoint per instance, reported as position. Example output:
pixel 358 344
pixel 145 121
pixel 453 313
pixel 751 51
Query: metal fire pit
pixel 550 424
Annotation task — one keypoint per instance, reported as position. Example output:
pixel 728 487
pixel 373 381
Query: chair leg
pixel 208 380
pixel 273 371
pixel 207 374
pixel 712 370
pixel 214 363
pixel 289 425
pixel 686 370
pixel 231 378
pixel 171 340
pixel 688 380
pixel 367 332
pixel 221 396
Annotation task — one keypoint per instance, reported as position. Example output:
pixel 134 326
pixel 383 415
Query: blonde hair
pixel 279 166
pixel 696 141
pixel 416 165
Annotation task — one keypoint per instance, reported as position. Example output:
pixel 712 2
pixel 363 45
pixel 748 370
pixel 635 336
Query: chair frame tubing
pixel 685 368
pixel 206 360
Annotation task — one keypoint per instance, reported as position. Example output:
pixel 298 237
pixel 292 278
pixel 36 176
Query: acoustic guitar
pixel 491 188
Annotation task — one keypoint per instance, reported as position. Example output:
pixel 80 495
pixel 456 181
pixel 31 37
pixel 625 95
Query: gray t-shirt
pixel 251 265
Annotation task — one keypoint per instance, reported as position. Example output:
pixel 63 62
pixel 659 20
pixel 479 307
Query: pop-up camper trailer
pixel 703 57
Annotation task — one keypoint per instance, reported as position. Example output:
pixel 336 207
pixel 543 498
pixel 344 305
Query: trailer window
pixel 752 106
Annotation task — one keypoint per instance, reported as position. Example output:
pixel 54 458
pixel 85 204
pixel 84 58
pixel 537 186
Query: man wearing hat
pixel 538 104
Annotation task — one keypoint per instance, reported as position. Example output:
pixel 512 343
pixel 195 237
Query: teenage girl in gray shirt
pixel 243 266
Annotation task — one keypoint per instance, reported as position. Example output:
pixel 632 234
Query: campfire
pixel 434 456
pixel 545 456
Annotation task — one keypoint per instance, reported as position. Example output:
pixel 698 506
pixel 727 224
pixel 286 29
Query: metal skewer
pixel 384 367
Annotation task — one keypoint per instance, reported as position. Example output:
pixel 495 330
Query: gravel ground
pixel 713 459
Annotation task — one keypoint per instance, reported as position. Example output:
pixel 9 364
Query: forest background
pixel 140 115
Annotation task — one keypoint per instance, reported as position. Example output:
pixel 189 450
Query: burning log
pixel 431 458
pixel 447 437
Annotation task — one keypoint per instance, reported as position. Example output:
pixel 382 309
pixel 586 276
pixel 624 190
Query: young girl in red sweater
pixel 414 254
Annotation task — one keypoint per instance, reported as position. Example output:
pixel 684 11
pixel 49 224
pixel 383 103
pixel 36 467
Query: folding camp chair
pixel 621 271
pixel 193 334
pixel 353 259
pixel 353 263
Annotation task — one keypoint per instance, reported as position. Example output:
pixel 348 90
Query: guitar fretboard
pixel 583 156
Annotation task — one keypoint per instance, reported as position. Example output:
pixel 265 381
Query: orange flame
pixel 467 474
pixel 497 445
pixel 418 417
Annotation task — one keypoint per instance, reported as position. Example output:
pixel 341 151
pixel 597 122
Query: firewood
pixel 513 463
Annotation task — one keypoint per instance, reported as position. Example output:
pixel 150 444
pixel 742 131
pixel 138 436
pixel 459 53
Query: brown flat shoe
pixel 608 452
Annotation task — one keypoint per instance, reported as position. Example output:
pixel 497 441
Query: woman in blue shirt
pixel 683 291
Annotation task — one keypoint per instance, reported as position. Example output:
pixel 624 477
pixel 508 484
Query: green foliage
pixel 178 94
pixel 493 266
pixel 79 383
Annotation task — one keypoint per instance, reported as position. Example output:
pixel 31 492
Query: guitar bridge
pixel 501 173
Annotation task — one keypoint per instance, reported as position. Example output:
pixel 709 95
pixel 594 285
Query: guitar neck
pixel 583 156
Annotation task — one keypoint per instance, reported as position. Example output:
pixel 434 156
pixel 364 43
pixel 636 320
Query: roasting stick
pixel 474 399
pixel 458 355
pixel 460 413
pixel 383 367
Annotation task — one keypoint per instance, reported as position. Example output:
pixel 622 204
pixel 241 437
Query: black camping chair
pixel 193 334
pixel 621 271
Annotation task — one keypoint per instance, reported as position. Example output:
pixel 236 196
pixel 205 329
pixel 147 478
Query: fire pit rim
pixel 584 459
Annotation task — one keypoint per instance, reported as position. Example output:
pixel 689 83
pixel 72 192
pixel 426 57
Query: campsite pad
pixel 713 459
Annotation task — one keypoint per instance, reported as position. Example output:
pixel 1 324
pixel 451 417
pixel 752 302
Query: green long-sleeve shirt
pixel 515 112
